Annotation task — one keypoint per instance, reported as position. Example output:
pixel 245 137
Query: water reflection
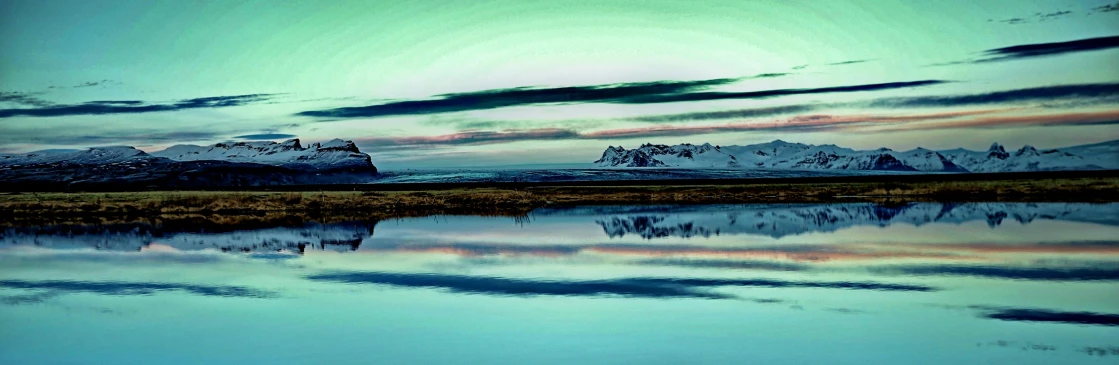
pixel 630 287
pixel 783 220
pixel 1039 276
pixel 1041 315
pixel 131 288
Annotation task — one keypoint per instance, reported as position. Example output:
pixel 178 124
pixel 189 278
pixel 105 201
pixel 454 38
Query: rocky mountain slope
pixel 798 156
pixel 333 155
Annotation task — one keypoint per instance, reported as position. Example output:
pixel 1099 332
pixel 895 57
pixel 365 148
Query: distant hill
pixel 186 166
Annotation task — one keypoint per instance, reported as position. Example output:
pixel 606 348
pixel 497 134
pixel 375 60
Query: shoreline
pixel 386 204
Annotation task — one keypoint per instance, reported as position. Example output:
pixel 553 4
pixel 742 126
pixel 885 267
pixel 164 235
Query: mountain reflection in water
pixel 941 282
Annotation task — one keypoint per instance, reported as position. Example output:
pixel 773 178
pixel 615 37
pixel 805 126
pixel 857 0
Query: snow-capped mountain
pixel 224 164
pixel 685 155
pixel 333 155
pixel 92 156
pixel 798 156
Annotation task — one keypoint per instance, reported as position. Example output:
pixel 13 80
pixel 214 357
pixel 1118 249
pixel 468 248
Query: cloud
pixel 115 102
pixel 492 99
pixel 1105 8
pixel 473 137
pixel 769 75
pixel 55 138
pixel 94 83
pixel 1043 315
pixel 1072 92
pixel 629 287
pixel 1056 96
pixel 1041 17
pixel 847 62
pixel 634 93
pixel 22 98
pixel 727 114
pixel 1047 49
pixel 27 299
pixel 797 123
pixel 266 136
pixel 1071 119
pixel 703 96
pixel 130 106
pixel 133 288
pixel 1053 15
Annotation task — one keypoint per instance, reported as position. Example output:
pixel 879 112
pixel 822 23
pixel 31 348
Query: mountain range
pixel 185 166
pixel 798 156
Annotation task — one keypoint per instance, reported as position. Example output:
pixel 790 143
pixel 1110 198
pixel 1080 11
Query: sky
pixel 446 84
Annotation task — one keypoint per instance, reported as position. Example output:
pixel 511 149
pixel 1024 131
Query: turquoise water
pixel 984 283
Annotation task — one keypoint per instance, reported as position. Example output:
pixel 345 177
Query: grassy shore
pixel 372 204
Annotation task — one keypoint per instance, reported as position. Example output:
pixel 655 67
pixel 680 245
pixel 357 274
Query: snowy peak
pixel 334 145
pixel 996 151
pixel 332 155
pixel 797 156
pixel 658 155
pixel 92 156
pixel 1026 150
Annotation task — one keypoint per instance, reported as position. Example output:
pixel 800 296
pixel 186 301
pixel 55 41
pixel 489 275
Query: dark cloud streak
pixel 636 93
pixel 1048 49
pixel 22 98
pixel 130 106
pixel 704 96
pixel 847 62
pixel 727 114
pixel 501 98
pixel 1035 94
pixel 266 136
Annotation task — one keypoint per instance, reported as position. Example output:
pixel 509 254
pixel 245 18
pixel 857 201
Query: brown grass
pixel 514 202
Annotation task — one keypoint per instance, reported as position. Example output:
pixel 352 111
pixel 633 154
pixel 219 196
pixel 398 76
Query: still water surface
pixel 1008 283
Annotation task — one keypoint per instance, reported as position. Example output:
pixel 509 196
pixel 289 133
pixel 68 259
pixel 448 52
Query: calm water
pixel 847 283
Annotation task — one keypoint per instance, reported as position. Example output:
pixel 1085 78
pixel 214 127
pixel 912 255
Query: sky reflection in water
pixel 857 283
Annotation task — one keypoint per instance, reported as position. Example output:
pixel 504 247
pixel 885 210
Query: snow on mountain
pixel 797 156
pixel 1028 158
pixel 333 155
pixel 92 156
pixel 223 164
pixel 684 155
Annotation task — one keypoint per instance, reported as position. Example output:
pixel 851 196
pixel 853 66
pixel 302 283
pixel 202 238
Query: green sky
pixel 146 64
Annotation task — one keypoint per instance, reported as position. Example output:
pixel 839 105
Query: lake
pixel 857 283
